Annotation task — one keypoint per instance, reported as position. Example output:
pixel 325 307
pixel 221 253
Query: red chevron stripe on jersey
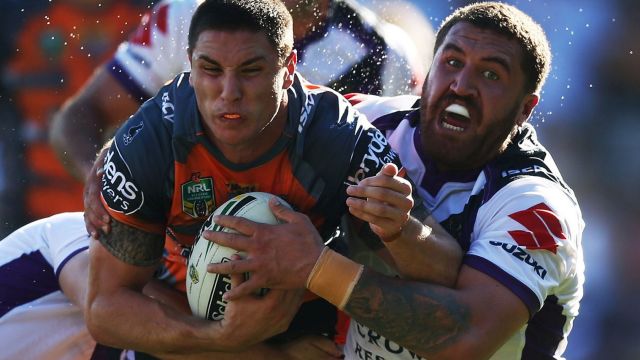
pixel 158 19
pixel 543 225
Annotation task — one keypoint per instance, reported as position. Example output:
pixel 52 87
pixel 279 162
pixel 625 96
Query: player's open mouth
pixel 455 118
pixel 231 116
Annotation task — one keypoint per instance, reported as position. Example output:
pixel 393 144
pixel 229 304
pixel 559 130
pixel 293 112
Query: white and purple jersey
pixel 517 221
pixel 354 51
pixel 37 321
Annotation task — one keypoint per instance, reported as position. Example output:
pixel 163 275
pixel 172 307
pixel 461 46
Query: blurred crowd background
pixel 588 118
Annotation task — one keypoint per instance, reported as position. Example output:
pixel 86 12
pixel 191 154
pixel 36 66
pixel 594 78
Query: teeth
pixel 459 110
pixel 446 125
pixel 231 116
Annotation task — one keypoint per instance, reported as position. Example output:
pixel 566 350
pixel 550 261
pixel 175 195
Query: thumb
pixel 389 169
pixel 281 211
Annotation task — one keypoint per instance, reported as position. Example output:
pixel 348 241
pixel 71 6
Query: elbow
pixel 97 321
pixel 57 133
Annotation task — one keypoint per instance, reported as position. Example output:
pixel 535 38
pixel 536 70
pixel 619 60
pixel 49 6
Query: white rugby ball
pixel 204 289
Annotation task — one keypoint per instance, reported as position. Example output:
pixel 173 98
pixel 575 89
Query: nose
pixel 231 89
pixel 464 83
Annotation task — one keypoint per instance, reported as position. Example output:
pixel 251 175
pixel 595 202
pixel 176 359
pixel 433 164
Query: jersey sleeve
pixel 527 237
pixel 66 236
pixel 137 170
pixel 157 50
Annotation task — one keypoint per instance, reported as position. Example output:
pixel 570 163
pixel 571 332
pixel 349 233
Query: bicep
pixel 73 278
pixel 126 257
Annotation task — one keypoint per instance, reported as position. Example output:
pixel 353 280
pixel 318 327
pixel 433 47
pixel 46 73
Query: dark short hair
pixel 270 17
pixel 510 21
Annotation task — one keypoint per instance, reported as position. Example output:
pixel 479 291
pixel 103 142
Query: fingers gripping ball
pixel 204 289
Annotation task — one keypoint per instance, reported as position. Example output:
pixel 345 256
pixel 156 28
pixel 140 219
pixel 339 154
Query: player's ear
pixel 529 103
pixel 290 69
pixel 189 53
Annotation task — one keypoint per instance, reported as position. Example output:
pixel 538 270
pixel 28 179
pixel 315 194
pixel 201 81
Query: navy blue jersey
pixel 164 176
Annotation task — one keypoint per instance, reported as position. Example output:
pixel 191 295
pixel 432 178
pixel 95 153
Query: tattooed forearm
pixel 420 317
pixel 133 246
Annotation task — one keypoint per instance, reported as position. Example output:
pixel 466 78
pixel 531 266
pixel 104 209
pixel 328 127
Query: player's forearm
pixel 428 319
pixel 76 136
pixel 130 320
pixel 426 252
pixel 260 351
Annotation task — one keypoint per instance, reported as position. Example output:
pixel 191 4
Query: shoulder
pixel 378 108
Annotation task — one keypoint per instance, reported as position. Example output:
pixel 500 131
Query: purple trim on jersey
pixel 126 81
pixel 518 288
pixel 64 262
pixel 391 121
pixel 544 331
pixel 25 279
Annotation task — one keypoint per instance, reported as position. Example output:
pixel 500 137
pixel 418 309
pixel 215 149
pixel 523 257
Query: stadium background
pixel 588 118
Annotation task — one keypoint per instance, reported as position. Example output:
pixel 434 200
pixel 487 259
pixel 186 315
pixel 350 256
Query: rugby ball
pixel 204 289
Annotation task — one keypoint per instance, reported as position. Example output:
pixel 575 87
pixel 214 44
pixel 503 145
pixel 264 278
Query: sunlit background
pixel 588 118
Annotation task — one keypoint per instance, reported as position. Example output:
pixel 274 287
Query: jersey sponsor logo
pixel 378 153
pixel 120 193
pixel 543 225
pixel 527 170
pixel 198 198
pixel 306 110
pixel 168 110
pixel 372 341
pixel 131 133
pixel 235 189
pixel 520 254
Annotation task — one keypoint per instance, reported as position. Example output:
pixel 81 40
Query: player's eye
pixel 454 63
pixel 251 70
pixel 491 75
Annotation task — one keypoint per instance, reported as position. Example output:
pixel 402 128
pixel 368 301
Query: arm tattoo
pixel 420 317
pixel 133 246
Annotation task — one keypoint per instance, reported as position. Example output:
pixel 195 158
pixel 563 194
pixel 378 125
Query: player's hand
pixel 311 347
pixel 96 218
pixel 384 201
pixel 277 256
pixel 252 318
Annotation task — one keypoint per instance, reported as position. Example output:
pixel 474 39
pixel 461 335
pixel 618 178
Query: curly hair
pixel 510 21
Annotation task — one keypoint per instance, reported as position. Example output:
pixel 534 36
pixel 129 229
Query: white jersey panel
pixel 50 327
pixel 38 321
pixel 546 211
pixel 151 64
pixel 320 66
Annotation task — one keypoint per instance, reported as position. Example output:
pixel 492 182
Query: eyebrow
pixel 495 59
pixel 244 63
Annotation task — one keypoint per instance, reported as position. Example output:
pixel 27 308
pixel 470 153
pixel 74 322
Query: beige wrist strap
pixel 333 277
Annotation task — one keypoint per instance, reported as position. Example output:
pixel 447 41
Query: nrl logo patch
pixel 198 197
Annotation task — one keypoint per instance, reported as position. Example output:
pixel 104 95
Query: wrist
pixel 333 277
pixel 412 229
